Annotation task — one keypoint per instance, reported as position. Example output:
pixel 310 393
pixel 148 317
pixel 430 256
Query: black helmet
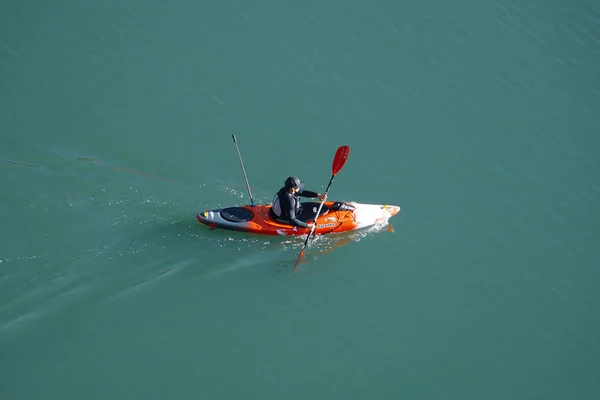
pixel 292 181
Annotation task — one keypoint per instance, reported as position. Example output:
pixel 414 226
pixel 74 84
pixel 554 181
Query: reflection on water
pixel 94 161
pixel 115 168
pixel 21 164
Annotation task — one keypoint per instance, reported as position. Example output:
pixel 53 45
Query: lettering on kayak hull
pixel 325 225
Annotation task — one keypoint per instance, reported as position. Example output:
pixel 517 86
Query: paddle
pixel 341 155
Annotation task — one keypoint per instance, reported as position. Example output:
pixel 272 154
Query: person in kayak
pixel 286 203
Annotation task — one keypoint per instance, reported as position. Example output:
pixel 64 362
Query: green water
pixel 480 119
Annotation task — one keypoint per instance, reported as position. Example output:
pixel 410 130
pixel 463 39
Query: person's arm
pixel 292 214
pixel 309 193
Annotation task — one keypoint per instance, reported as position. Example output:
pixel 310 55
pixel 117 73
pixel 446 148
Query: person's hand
pixel 311 226
pixel 322 196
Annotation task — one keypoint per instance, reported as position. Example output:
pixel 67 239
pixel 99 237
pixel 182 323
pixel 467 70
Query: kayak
pixel 334 217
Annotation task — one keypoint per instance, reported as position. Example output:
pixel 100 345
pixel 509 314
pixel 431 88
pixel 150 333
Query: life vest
pixel 276 207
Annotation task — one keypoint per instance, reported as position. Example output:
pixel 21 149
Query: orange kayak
pixel 334 217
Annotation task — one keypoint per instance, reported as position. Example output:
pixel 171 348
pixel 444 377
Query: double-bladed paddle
pixel 341 155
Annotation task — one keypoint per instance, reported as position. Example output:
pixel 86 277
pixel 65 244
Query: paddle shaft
pixel 243 170
pixel 314 229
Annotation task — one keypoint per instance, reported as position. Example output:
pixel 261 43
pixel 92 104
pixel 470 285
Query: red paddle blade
pixel 341 155
pixel 299 259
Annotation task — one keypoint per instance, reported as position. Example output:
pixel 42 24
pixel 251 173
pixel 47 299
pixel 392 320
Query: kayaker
pixel 286 203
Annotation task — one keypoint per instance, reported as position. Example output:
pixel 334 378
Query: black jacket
pixel 290 205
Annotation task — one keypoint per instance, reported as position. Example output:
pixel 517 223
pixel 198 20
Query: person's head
pixel 292 184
